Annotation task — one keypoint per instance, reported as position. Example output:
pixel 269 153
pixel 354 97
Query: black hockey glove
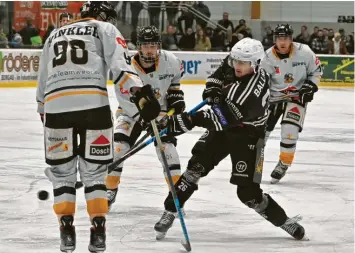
pixel 306 92
pixel 182 123
pixel 175 99
pixel 146 102
pixel 214 92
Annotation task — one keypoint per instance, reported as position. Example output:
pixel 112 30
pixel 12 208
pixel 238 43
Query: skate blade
pixel 67 249
pixel 93 250
pixel 160 235
pixel 274 181
pixel 186 245
pixel 305 238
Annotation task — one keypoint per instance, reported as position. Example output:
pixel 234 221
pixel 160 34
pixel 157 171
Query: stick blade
pixel 186 245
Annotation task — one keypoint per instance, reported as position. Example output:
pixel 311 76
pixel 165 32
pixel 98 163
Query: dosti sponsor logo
pixel 100 147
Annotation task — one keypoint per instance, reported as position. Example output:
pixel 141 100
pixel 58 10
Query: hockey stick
pixel 113 165
pixel 148 133
pixel 135 150
pixel 185 243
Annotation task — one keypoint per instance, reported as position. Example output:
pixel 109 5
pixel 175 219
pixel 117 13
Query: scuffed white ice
pixel 319 186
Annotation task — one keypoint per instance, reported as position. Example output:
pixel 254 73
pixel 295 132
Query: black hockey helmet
pixel 101 10
pixel 283 30
pixel 148 35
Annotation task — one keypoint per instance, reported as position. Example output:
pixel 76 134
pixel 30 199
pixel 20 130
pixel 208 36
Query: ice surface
pixel 319 186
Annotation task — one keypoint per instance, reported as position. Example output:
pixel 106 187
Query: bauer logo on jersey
pixel 100 147
pixel 288 78
pixel 165 76
pixel 294 114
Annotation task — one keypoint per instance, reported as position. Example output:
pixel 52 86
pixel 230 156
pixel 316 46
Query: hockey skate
pixel 279 172
pixel 292 227
pixel 111 197
pixel 163 225
pixel 98 235
pixel 67 234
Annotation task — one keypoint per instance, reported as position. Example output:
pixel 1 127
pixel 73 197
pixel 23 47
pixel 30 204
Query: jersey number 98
pixel 78 53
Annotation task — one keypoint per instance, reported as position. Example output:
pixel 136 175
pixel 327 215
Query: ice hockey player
pixel 243 89
pixel 295 73
pixel 163 70
pixel 73 97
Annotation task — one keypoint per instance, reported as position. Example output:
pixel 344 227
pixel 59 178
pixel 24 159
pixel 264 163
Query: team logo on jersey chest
pixel 277 70
pixel 288 78
pixel 156 92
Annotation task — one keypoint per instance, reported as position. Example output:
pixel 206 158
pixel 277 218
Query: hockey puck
pixel 42 195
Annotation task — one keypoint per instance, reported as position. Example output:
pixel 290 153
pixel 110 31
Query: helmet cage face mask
pixel 148 58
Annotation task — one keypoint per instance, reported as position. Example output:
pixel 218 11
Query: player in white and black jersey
pixel 163 71
pixel 241 88
pixel 295 72
pixel 74 106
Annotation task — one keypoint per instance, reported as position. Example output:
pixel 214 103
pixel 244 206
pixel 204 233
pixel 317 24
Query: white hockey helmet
pixel 248 50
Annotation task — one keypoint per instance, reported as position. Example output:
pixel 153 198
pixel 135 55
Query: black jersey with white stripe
pixel 246 98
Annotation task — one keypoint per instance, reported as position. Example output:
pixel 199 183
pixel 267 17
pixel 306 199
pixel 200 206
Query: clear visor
pixel 238 63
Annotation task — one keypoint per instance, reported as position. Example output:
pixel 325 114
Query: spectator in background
pixel 304 36
pixel 320 45
pixel 187 41
pixel 4 43
pixel 185 21
pixel 331 34
pixel 198 28
pixel 201 7
pixel 172 10
pixel 314 34
pixel 16 41
pixel 136 8
pixel 28 32
pixel 169 40
pixel 342 34
pixel 325 32
pixel 241 26
pixel 337 45
pixel 50 29
pixel 154 12
pixel 202 42
pixel 225 22
pixel 36 40
pixel 209 33
pixel 350 44
pixel 217 41
pixel 132 44
pixel 268 40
